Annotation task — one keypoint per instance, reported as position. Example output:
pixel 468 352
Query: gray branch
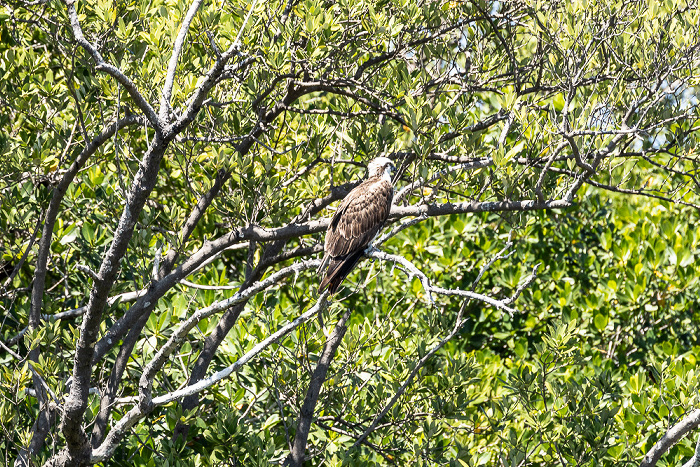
pixel 306 415
pixel 113 438
pixel 672 436
pixel 695 460
pixel 114 72
pixel 174 57
pixel 413 271
pixel 149 372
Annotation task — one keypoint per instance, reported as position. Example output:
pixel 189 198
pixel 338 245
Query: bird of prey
pixel 356 222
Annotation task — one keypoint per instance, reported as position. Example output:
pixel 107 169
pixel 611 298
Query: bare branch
pixel 401 226
pixel 88 271
pixel 209 287
pixel 672 436
pixel 179 334
pixel 105 450
pixel 413 271
pixel 174 57
pixel 210 79
pixel 116 73
pixel 306 414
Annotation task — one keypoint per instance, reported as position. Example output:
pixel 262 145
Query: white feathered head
pixel 380 166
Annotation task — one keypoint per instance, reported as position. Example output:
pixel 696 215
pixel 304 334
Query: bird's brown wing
pixel 356 222
pixel 359 217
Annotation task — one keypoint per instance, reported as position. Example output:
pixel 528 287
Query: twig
pixel 174 57
pixel 422 182
pixel 25 254
pixel 499 255
pixel 209 287
pixel 402 225
pixel 88 271
pixel 412 271
pixel 525 283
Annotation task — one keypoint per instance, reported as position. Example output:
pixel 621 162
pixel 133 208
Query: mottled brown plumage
pixel 356 222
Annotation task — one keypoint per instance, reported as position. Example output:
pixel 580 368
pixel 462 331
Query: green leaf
pixel 600 322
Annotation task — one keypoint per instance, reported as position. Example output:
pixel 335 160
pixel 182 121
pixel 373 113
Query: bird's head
pixel 381 167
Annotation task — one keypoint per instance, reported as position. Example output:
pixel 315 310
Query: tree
pixel 169 171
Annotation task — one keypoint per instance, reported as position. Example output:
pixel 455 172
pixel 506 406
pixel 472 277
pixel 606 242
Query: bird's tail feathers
pixel 338 270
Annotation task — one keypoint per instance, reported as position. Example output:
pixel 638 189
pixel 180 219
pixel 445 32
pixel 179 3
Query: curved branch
pixel 149 372
pixel 413 271
pixel 672 436
pixel 432 210
pixel 106 449
pixel 114 72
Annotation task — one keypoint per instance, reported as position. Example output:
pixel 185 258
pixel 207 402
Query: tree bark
pixel 76 403
pixel 296 456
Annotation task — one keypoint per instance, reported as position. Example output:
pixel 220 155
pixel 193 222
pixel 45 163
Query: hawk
pixel 357 221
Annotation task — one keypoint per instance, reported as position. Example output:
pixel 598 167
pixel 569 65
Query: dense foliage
pixel 159 158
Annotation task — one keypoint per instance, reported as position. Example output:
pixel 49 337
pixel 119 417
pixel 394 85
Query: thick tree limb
pixel 295 230
pixel 296 456
pixel 76 403
pixel 672 436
